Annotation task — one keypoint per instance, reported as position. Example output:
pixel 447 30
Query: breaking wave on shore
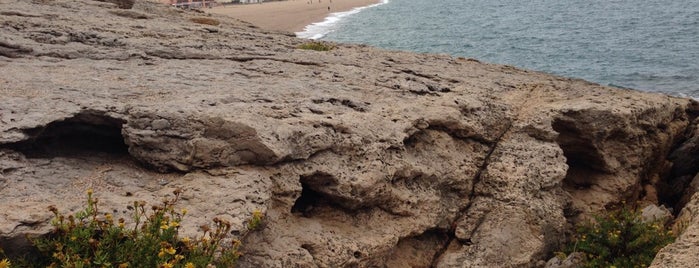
pixel 320 29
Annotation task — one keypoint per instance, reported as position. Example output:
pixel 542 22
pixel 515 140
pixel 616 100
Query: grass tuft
pixel 317 46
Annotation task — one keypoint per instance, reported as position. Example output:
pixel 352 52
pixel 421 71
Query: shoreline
pixel 290 15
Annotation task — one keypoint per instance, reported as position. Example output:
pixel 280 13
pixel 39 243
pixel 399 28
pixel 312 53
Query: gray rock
pixel 653 213
pixel 573 260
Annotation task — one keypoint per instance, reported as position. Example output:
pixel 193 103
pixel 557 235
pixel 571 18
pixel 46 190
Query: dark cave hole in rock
pixel 308 200
pixel 674 192
pixel 20 247
pixel 586 166
pixel 678 184
pixel 83 134
pixel 678 180
pixel 357 254
pixel 412 140
pixel 421 250
pixel 584 161
pixel 309 247
pixel 313 201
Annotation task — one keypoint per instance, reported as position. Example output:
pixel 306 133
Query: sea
pixel 648 45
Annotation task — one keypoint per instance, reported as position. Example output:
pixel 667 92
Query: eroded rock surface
pixel 358 157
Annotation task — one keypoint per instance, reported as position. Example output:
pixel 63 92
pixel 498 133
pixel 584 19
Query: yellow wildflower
pixel 174 224
pixel 89 191
pixel 170 251
pixel 164 227
pixel 186 240
pixel 184 211
pixel 166 265
pixel 236 243
pixel 189 265
pixel 257 214
pixel 161 253
pixel 179 257
pixel 5 263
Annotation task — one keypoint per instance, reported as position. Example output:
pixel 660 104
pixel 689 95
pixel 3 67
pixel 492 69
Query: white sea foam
pixel 320 29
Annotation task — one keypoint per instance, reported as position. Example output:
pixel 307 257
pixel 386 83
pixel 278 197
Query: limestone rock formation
pixel 358 157
pixel 682 253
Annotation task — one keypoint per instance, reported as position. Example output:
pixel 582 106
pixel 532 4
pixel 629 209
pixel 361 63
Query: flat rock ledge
pixel 358 157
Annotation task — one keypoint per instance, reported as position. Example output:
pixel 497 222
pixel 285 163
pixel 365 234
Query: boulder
pixel 653 213
pixel 573 260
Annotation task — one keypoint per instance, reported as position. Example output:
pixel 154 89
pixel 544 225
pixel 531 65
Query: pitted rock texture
pixel 358 157
pixel 682 253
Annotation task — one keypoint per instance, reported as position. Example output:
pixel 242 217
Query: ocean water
pixel 331 23
pixel 650 45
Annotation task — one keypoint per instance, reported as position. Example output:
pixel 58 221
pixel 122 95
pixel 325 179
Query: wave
pixel 320 29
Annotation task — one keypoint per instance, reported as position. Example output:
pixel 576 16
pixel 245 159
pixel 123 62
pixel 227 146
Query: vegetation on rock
pixel 90 238
pixel 317 46
pixel 255 221
pixel 619 239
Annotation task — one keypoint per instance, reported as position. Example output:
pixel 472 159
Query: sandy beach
pixel 291 15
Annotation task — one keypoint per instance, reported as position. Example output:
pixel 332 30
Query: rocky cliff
pixel 358 157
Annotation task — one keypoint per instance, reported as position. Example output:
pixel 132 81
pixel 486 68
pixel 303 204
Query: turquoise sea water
pixel 647 45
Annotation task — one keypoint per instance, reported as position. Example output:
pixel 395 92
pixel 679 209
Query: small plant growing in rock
pixel 92 239
pixel 619 239
pixel 256 220
pixel 317 46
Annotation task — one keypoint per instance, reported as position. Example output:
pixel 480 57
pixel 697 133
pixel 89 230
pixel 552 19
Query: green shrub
pixel 317 46
pixel 90 238
pixel 619 239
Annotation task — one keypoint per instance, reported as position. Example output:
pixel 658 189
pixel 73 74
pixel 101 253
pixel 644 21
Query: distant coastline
pixel 320 29
pixel 291 15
